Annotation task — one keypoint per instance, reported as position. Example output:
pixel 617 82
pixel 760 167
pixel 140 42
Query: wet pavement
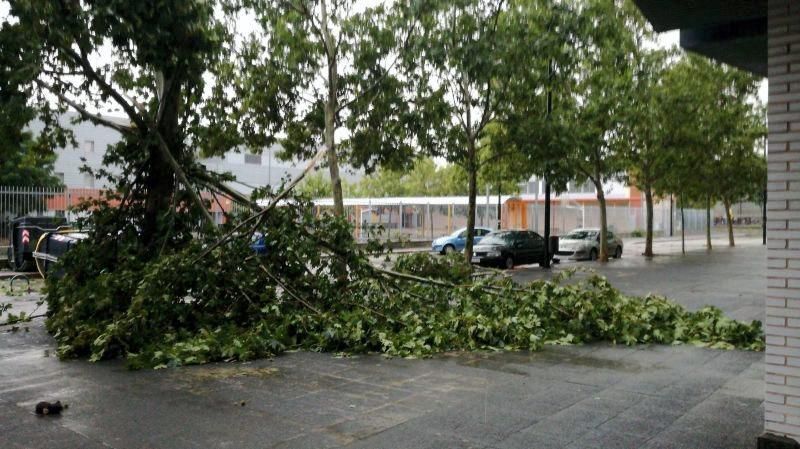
pixel 592 396
pixel 733 279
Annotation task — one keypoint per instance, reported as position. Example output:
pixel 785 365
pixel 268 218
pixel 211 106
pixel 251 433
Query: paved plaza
pixel 592 396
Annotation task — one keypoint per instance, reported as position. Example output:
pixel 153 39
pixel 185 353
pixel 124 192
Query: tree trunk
pixel 331 105
pixel 683 229
pixel 601 199
pixel 729 219
pixel 430 217
pixel 160 178
pixel 472 169
pixel 708 222
pixel 648 244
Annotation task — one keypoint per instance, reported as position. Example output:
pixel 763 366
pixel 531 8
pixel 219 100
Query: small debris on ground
pixel 50 408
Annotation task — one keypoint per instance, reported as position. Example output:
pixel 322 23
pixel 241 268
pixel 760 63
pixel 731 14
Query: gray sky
pixel 668 39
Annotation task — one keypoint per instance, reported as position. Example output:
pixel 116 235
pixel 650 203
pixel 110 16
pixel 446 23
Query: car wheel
pixel 593 254
pixel 618 252
pixel 509 263
pixel 449 249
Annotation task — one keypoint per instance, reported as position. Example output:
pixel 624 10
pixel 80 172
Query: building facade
pixel 92 141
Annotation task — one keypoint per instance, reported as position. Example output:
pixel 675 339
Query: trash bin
pixel 51 246
pixel 25 233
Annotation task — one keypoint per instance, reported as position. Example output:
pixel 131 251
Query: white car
pixel 585 244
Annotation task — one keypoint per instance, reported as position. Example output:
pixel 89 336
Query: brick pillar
pixel 782 406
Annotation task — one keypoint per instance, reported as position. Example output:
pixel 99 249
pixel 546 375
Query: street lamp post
pixel 546 180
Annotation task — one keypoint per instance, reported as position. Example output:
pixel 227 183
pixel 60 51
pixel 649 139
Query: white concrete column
pixel 782 406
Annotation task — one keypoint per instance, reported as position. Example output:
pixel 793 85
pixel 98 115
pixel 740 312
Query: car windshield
pixel 581 235
pixel 498 238
pixel 458 232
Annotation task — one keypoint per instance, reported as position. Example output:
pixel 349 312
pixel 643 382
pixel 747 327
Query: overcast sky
pixel 668 39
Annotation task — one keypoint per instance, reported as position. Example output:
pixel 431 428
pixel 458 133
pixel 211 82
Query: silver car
pixel 585 244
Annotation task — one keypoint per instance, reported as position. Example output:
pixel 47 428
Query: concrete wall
pixel 782 406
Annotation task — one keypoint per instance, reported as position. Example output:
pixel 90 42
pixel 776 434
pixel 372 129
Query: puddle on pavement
pixel 199 380
pixel 207 374
pixel 514 362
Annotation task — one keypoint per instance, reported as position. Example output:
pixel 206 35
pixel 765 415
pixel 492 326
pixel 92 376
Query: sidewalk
pixel 575 397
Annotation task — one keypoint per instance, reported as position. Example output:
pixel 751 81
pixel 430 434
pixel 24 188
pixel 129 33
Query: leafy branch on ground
pixel 315 289
pixel 13 319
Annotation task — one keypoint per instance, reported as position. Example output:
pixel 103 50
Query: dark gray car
pixel 509 248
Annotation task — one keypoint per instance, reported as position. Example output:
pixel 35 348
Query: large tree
pixel 333 65
pixel 151 66
pixel 603 95
pixel 711 124
pixel 535 129
pixel 463 64
pixel 647 126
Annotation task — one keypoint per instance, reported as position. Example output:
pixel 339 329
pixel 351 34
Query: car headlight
pixel 493 254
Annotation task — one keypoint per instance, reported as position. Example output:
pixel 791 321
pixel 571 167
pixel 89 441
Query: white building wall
pixel 93 141
pixel 782 400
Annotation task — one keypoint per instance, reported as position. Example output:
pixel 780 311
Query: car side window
pixel 610 236
pixel 463 235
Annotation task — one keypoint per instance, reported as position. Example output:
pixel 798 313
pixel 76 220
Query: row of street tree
pixel 568 90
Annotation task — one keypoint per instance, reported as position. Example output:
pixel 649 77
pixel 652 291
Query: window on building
pixel 60 177
pixel 254 159
pixel 88 146
pixel 586 187
pixel 88 180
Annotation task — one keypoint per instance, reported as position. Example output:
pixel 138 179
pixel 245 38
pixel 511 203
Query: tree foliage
pixel 602 95
pixel 711 128
pixel 193 306
pixel 461 65
pixel 154 67
pixel 332 66
pixel 25 159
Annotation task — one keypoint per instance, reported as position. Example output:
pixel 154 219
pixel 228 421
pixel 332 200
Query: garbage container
pixel 24 233
pixel 51 246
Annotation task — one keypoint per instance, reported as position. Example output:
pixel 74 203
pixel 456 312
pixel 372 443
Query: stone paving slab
pixel 641 397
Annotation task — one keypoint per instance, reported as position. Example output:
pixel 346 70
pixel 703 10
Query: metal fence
pixel 38 202
pixel 35 201
pixel 412 219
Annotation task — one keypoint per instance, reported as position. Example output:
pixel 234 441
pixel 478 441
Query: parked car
pixel 585 244
pixel 457 240
pixel 510 248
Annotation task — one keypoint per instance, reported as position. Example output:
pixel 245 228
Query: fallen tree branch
pixel 22 320
pixel 288 290
pixel 261 213
pixel 164 149
pixel 94 118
